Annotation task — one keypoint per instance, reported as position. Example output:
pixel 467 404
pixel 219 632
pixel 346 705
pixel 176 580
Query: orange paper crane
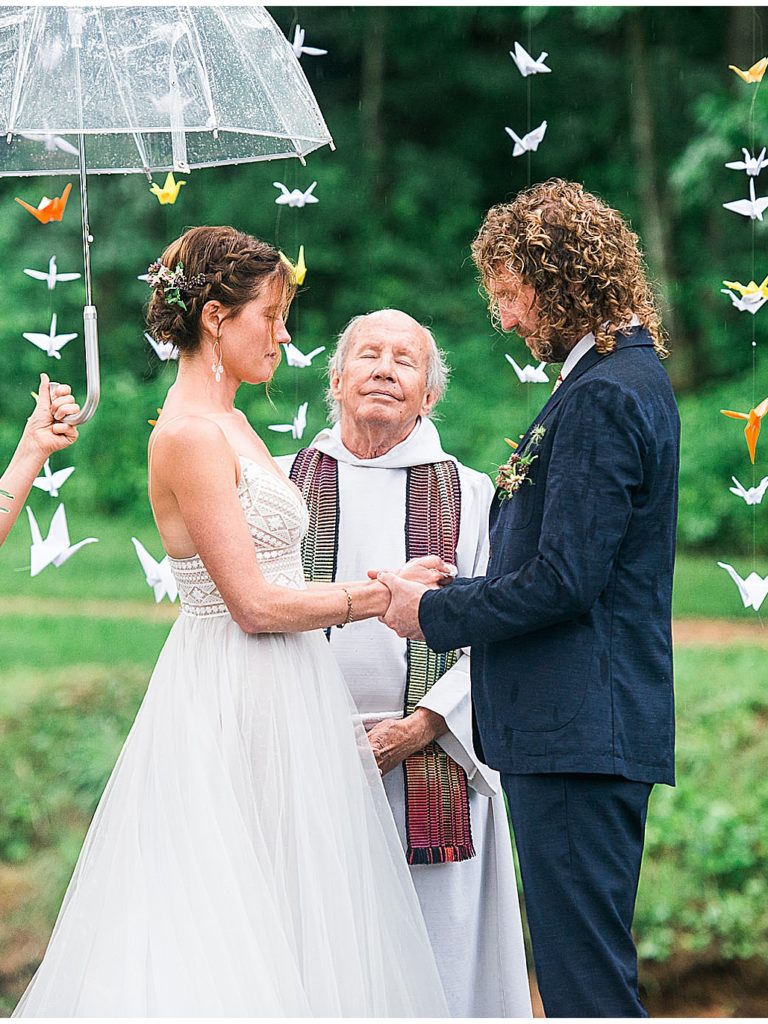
pixel 49 209
pixel 752 430
pixel 753 74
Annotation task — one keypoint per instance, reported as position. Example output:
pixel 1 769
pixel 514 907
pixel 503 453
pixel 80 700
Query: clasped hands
pixel 406 588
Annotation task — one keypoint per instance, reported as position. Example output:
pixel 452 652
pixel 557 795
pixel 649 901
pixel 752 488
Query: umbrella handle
pixel 93 380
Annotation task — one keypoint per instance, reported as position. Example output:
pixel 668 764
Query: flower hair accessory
pixel 173 282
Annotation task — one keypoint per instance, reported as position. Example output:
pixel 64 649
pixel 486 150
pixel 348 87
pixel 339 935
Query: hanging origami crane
pixel 753 590
pixel 752 495
pixel 299 269
pixel 164 350
pixel 299 48
pixel 158 574
pixel 750 298
pixel 169 193
pixel 528 374
pixel 55 549
pixel 754 420
pixel 52 275
pixel 50 481
pixel 49 209
pixel 526 65
pixel 751 164
pixel 296 357
pixel 51 343
pixel 52 142
pixel 753 74
pixel 295 197
pixel 752 207
pixel 298 425
pixel 528 143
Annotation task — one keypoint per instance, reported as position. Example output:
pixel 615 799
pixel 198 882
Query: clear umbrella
pixel 119 89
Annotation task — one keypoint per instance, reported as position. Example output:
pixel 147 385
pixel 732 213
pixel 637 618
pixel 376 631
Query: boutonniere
pixel 515 470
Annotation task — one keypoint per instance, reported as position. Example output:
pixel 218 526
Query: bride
pixel 243 860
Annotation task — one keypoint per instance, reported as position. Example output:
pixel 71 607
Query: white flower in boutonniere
pixel 515 470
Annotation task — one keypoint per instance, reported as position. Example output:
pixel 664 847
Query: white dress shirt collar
pixel 582 347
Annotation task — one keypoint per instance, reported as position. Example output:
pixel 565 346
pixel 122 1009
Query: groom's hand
pixel 430 570
pixel 403 613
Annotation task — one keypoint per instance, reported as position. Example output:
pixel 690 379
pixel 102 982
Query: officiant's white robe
pixel 471 908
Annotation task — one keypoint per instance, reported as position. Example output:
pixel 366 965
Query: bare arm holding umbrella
pixel 44 434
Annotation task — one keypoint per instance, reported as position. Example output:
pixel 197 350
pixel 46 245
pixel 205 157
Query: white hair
pixel 438 371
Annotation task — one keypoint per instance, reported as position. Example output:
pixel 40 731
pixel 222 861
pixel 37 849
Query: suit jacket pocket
pixel 553 670
pixel 515 512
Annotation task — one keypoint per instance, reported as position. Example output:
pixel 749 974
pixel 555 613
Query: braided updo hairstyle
pixel 219 264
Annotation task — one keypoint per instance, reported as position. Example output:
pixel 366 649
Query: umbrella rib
pixel 136 135
pixel 203 68
pixel 249 60
pixel 22 68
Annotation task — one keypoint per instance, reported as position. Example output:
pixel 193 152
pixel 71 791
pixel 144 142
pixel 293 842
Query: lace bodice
pixel 277 519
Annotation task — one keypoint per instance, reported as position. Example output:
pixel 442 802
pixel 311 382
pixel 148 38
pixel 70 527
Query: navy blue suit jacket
pixel 571 627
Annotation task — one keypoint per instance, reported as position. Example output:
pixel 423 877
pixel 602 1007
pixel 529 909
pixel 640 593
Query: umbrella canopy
pixel 152 88
pixel 107 90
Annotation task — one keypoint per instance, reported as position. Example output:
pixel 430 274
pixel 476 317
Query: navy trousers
pixel 579 840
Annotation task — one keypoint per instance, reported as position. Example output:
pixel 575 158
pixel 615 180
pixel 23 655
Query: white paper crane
pixel 752 302
pixel 751 164
pixel 52 142
pixel 752 207
pixel 752 495
pixel 55 549
pixel 52 343
pixel 51 482
pixel 296 197
pixel 753 590
pixel 526 65
pixel 165 350
pixel 158 574
pixel 528 374
pixel 51 276
pixel 296 357
pixel 299 48
pixel 528 143
pixel 295 429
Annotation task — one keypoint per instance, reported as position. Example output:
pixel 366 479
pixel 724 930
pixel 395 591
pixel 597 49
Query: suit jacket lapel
pixel 587 361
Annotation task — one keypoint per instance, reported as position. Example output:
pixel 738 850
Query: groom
pixel 570 629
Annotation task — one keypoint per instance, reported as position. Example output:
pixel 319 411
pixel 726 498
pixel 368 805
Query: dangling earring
pixel 216 366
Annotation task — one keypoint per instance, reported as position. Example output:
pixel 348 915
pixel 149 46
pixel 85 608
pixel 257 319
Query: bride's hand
pixel 430 571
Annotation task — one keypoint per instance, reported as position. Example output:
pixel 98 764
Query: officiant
pixel 381 490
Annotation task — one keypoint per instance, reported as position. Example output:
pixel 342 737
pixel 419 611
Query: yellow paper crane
pixel 754 420
pixel 750 290
pixel 754 74
pixel 169 193
pixel 299 269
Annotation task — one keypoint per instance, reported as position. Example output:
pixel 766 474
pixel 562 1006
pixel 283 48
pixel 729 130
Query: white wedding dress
pixel 243 860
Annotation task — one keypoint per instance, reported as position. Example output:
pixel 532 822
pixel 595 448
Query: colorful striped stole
pixel 437 817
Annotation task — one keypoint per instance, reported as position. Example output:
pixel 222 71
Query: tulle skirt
pixel 243 860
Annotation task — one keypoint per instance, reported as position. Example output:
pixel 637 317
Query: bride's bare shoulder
pixel 190 439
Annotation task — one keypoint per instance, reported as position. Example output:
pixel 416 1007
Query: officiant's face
pixel 384 377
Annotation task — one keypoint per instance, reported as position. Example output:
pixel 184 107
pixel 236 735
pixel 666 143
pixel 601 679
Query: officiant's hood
pixel 422 445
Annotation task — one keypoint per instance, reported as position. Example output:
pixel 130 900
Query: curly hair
pixel 581 258
pixel 219 264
